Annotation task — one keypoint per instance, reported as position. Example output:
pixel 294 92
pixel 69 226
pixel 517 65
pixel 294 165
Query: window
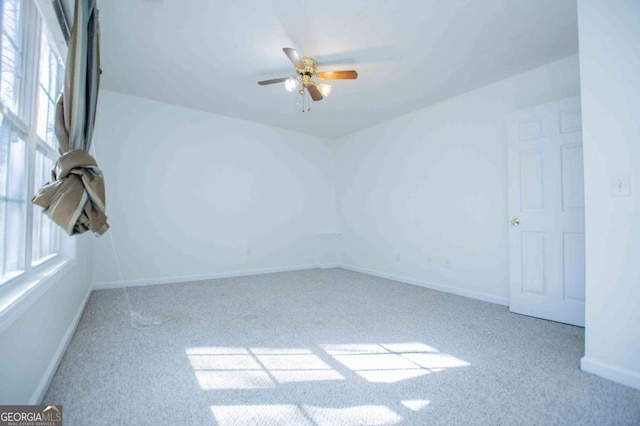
pixel 11 52
pixel 46 235
pixel 31 76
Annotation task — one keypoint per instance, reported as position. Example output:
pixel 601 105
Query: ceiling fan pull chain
pixel 305 102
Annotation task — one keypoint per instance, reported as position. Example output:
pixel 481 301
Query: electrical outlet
pixel 429 261
pixel 248 252
pixel 398 258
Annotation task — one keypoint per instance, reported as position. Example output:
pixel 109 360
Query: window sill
pixel 17 295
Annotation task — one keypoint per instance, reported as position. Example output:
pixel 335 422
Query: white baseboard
pixel 433 286
pixel 45 381
pixel 607 371
pixel 329 265
pixel 105 285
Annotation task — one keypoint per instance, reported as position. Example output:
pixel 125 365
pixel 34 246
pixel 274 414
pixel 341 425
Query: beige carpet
pixel 326 347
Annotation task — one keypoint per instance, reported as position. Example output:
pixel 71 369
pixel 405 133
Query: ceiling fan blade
pixel 274 81
pixel 314 92
pixel 338 75
pixel 293 57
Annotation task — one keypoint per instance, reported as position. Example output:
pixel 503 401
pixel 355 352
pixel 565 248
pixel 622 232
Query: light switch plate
pixel 621 185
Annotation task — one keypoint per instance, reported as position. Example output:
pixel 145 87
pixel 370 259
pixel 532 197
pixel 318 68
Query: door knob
pixel 515 221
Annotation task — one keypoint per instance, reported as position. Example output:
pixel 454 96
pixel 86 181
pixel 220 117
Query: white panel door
pixel 546 212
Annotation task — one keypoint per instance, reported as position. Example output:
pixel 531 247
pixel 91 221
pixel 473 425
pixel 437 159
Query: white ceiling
pixel 209 55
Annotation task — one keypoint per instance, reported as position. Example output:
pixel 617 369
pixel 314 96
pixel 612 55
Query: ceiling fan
pixel 307 72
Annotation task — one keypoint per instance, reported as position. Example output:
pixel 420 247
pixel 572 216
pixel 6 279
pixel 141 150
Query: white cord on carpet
pixel 137 320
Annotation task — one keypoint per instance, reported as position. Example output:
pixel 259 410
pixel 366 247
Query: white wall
pixel 32 345
pixel 189 193
pixel 609 34
pixel 433 185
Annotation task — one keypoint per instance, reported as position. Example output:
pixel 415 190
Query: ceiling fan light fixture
pixel 325 89
pixel 290 84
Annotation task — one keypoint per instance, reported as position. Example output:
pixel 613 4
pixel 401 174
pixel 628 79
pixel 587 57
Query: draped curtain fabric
pixel 75 199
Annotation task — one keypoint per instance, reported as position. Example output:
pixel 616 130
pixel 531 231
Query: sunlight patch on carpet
pixel 415 404
pixel 393 362
pixel 219 368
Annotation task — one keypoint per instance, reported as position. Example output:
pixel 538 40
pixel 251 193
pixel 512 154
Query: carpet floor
pixel 326 347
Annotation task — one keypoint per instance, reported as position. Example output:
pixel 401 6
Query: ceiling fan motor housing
pixel 308 71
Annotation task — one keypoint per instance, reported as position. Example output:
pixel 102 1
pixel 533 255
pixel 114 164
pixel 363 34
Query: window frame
pixel 35 277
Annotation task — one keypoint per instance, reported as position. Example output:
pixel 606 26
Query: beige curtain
pixel 75 199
